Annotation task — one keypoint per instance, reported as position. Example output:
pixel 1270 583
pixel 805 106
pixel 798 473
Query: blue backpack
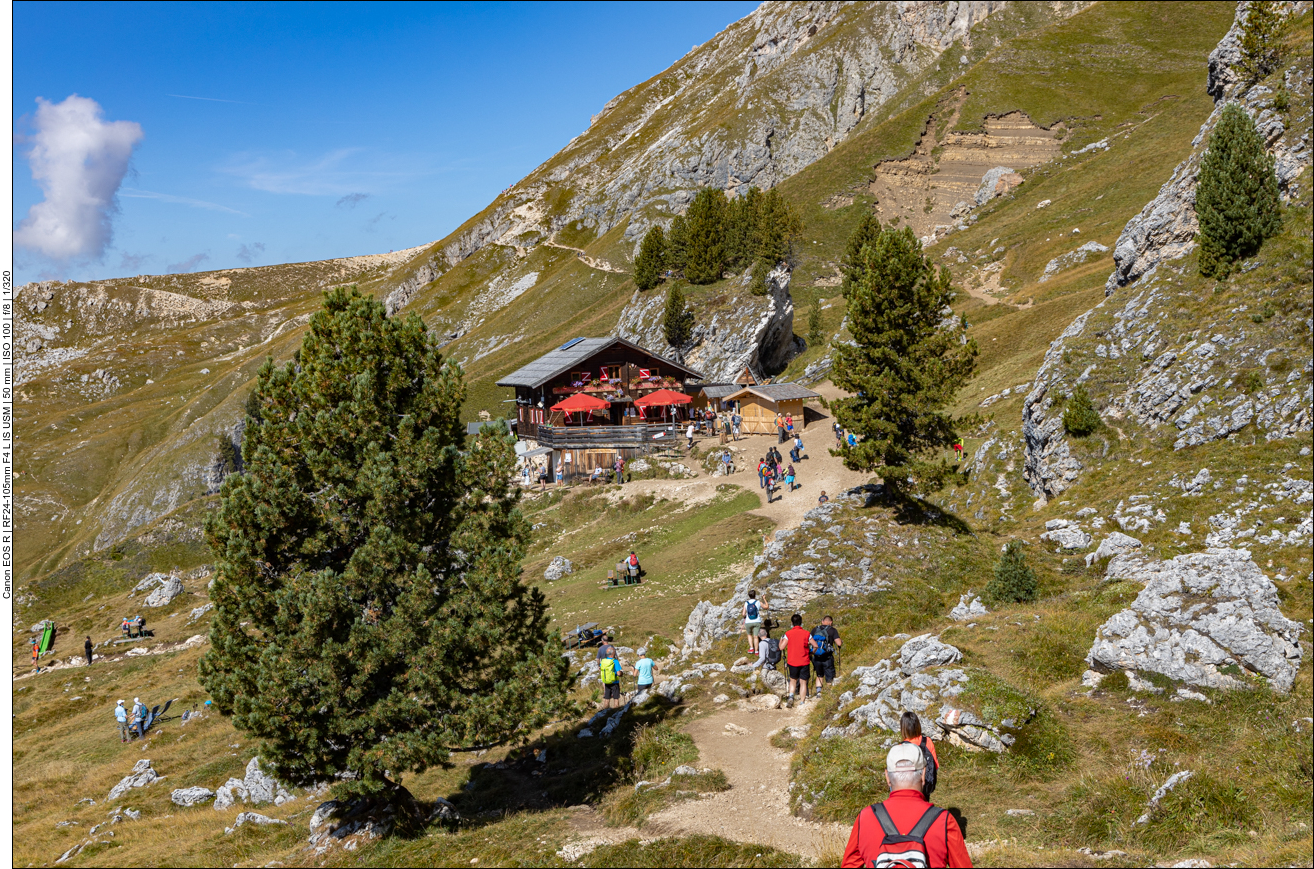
pixel 752 610
pixel 822 641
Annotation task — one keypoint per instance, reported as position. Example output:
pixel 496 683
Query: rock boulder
pixel 1202 619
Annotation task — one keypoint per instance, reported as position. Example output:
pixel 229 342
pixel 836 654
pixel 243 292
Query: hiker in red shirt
pixel 797 646
pixel 906 828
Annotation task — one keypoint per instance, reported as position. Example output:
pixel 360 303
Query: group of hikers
pixel 773 473
pixel 611 671
pixel 134 627
pixel 131 724
pixel 807 653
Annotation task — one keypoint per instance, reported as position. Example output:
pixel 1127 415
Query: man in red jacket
pixel 906 825
pixel 797 645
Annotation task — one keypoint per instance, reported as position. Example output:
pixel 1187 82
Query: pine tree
pixel 677 244
pixel 907 361
pixel 1237 195
pixel 778 229
pixel 370 617
pixel 742 230
pixel 651 260
pixel 705 259
pixel 1015 581
pixel 677 320
pixel 852 265
pixel 1259 40
pixel 815 333
pixel 1080 418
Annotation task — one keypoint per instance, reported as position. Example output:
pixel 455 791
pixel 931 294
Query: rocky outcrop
pixel 1165 229
pixel 559 567
pixel 256 787
pixel 165 592
pixel 1050 467
pixel 1203 619
pixel 968 607
pixel 924 681
pixel 252 818
pixel 787 582
pixel 752 331
pixel 191 796
pixel 142 774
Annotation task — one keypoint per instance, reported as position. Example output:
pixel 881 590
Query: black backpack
pixel 931 769
pixel 773 652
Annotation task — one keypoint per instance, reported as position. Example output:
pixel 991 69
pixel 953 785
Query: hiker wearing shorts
pixel 644 669
pixel 36 653
pixel 797 646
pixel 754 616
pixel 825 643
pixel 789 478
pixel 906 824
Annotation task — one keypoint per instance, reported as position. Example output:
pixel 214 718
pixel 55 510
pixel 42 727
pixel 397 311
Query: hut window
pixel 611 372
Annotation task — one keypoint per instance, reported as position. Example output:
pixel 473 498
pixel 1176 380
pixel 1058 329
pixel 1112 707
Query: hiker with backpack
pixel 754 615
pixel 797 646
pixel 796 451
pixel 910 731
pixel 768 650
pixel 610 672
pixel 789 478
pixel 906 829
pixel 825 645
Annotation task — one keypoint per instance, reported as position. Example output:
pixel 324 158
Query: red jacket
pixel 944 841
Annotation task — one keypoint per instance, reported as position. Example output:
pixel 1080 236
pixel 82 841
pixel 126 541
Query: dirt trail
pixel 756 808
pixel 592 262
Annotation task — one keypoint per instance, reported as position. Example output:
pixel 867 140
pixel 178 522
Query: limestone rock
pixel 1198 614
pixel 969 607
pixel 991 181
pixel 1068 535
pixel 925 651
pixel 164 594
pixel 1115 544
pixel 766 701
pixel 150 581
pixel 251 818
pixel 261 787
pixel 191 796
pixel 559 567
pixel 142 774
pixel 1173 781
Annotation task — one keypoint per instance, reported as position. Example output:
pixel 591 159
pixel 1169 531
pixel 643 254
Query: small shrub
pixel 1080 418
pixel 1116 681
pixel 1015 581
pixel 660 748
pixel 1252 381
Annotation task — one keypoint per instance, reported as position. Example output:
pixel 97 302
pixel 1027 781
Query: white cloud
pixel 247 253
pixel 132 193
pixel 79 161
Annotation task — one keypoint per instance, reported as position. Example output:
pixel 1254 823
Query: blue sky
pixel 217 135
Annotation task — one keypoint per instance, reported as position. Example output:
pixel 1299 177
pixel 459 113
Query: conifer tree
pixel 907 361
pixel 705 257
pixel 1259 40
pixel 651 260
pixel 1014 581
pixel 677 244
pixel 1237 195
pixel 852 264
pixel 815 333
pixel 369 612
pixel 778 227
pixel 1080 418
pixel 743 216
pixel 677 319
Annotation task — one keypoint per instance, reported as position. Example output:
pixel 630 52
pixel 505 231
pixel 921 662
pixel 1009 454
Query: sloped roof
pixel 719 390
pixel 571 354
pixel 777 391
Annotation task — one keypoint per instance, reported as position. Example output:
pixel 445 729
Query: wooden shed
pixel 758 405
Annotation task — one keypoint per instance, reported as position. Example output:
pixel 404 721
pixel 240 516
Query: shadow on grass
pixel 573 771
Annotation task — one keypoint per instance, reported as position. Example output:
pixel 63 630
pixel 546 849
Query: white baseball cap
pixel 905 757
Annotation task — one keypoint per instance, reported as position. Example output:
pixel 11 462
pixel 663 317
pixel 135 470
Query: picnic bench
pixel 622 575
pixel 583 636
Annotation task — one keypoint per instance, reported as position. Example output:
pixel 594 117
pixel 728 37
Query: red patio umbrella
pixel 662 398
pixel 581 402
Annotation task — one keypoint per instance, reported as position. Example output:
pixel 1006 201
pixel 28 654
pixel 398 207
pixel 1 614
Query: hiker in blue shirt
pixel 644 669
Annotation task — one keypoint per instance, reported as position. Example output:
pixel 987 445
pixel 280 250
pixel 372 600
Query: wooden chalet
pixel 584 394
pixel 759 404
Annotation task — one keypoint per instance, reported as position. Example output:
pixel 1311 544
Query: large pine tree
pixel 1237 195
pixel 677 319
pixel 370 615
pixel 651 260
pixel 677 243
pixel 908 358
pixel 1259 41
pixel 705 258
